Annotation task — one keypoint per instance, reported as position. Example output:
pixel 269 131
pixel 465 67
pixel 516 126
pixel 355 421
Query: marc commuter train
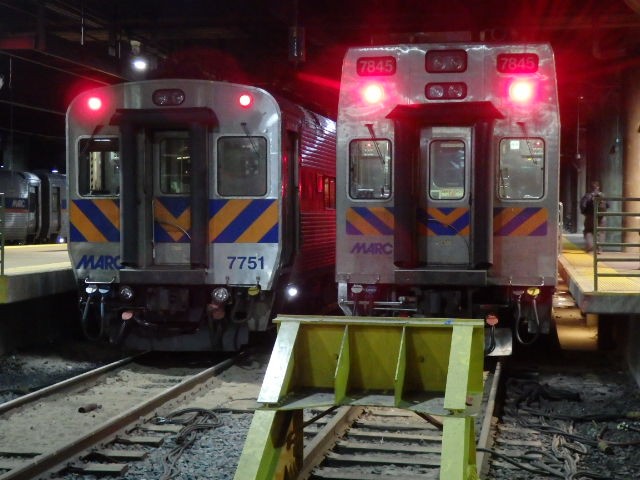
pixel 197 210
pixel 447 183
pixel 35 206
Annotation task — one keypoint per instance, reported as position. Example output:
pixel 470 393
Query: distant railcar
pixel 197 210
pixel 53 210
pixel 22 206
pixel 447 183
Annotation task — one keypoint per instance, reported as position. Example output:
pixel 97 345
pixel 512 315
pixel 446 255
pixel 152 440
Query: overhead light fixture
pixel 139 62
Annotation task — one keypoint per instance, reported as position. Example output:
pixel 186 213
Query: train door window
pixel 242 166
pixel 98 166
pixel 33 199
pixel 55 207
pixel 175 165
pixel 446 169
pixel 55 201
pixel 329 189
pixel 370 169
pixel 521 169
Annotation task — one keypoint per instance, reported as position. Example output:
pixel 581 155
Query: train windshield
pixel 521 169
pixel 370 169
pixel 99 166
pixel 446 169
pixel 242 166
pixel 175 165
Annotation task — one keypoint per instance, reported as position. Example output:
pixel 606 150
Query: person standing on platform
pixel 587 209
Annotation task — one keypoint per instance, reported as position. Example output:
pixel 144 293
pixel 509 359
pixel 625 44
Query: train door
pixel 55 220
pixel 33 219
pixel 164 195
pixel 290 198
pixel 443 195
pixel 170 201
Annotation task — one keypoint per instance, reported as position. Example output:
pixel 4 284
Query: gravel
pixel 24 371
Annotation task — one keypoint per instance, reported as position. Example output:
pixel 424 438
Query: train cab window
pixel 175 166
pixel 521 169
pixel 242 166
pixel 370 169
pixel 447 169
pixel 99 166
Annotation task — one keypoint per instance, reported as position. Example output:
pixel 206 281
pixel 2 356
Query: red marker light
pixel 245 100
pixel 522 91
pixel 373 93
pixel 94 103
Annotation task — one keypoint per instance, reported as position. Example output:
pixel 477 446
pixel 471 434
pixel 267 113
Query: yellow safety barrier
pixel 430 366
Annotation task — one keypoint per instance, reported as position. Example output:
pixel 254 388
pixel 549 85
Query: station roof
pixel 52 49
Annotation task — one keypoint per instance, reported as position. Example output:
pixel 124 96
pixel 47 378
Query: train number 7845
pixel 249 263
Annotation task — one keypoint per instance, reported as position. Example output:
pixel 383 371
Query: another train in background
pixel 198 209
pixel 35 207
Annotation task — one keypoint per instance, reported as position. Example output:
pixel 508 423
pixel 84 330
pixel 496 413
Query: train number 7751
pixel 249 263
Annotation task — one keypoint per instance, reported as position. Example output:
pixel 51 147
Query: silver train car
pixel 22 200
pixel 198 209
pixel 35 207
pixel 54 223
pixel 447 184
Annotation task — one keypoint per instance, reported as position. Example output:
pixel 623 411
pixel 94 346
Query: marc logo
pixel 373 248
pixel 100 262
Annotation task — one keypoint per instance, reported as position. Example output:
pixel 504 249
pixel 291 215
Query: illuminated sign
pixel 517 63
pixel 372 66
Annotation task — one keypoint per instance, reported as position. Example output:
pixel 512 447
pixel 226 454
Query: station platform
pixel 619 294
pixel 35 271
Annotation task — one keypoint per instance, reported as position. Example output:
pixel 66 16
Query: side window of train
pixel 370 169
pixel 521 168
pixel 99 166
pixel 175 166
pixel 329 192
pixel 242 166
pixel 446 169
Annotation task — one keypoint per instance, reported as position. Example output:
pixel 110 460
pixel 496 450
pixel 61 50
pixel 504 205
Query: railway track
pixel 96 416
pixel 373 443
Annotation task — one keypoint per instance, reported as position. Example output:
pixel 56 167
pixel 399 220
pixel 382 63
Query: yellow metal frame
pixel 431 366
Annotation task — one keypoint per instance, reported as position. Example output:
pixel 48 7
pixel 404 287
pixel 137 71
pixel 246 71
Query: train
pixel 197 209
pixel 447 190
pixel 35 207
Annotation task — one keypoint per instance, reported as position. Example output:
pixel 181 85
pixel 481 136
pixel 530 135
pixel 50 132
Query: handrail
pixel 627 256
pixel 2 227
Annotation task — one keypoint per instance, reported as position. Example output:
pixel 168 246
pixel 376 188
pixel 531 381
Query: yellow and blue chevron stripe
pixel 230 221
pixel 520 221
pixel 94 220
pixel 373 221
pixel 172 218
pixel 243 221
pixel 443 221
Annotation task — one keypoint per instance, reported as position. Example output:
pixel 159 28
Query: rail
pixel 617 251
pixel 2 227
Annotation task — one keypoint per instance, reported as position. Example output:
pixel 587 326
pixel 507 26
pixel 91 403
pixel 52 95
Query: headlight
pixel 220 295
pixel 126 293
pixel 292 291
